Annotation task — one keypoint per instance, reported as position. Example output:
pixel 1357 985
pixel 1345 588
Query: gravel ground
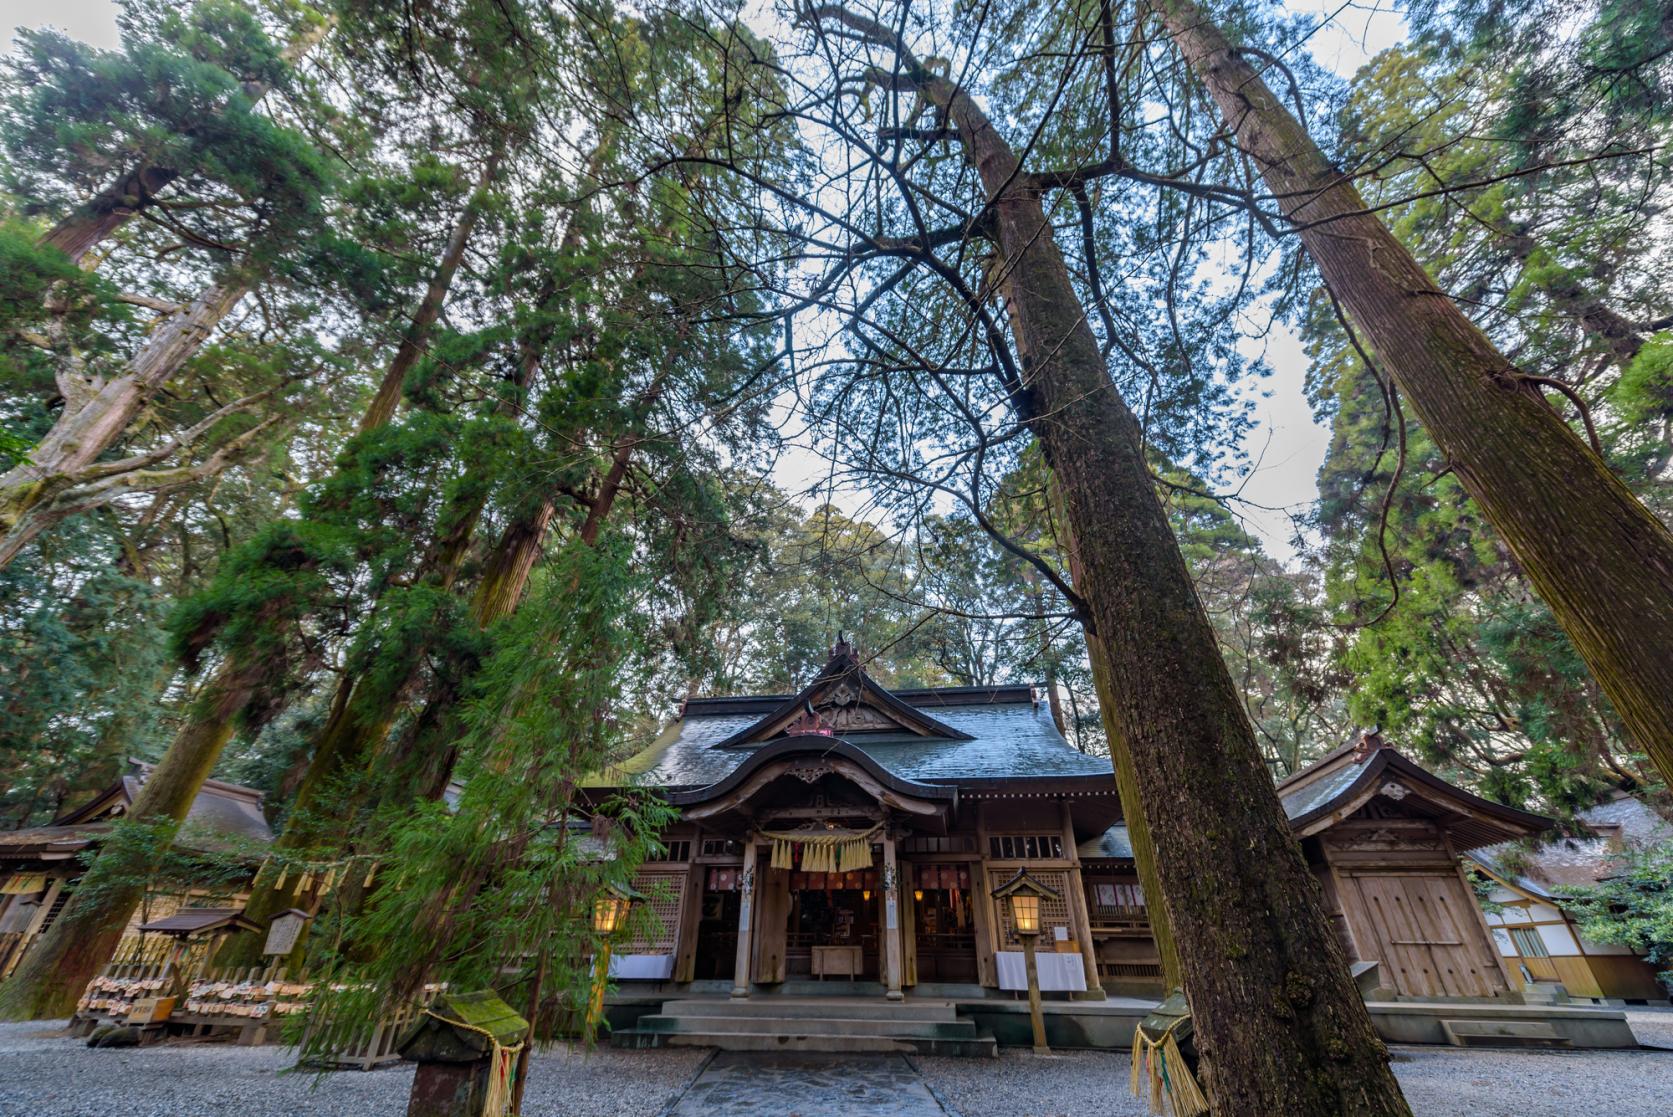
pixel 44 1073
pixel 1438 1081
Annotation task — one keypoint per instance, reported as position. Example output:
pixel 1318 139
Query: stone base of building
pixel 642 1018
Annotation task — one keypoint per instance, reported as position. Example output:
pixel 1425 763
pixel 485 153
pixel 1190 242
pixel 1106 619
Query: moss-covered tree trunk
pixel 1280 1024
pixel 1598 557
pixel 57 968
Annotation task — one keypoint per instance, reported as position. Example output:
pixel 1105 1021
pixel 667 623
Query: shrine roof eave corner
pixel 812 745
pixel 1481 822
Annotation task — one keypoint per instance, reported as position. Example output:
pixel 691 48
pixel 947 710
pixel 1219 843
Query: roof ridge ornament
pixel 1370 741
pixel 809 723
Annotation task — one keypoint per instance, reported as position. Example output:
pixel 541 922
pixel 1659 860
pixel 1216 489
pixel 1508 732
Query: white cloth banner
pixel 641 967
pixel 1059 973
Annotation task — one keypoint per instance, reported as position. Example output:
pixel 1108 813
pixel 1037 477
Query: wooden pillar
pixel 691 914
pixel 987 939
pixel 746 910
pixel 891 920
pixel 908 927
pixel 1079 917
pixel 772 920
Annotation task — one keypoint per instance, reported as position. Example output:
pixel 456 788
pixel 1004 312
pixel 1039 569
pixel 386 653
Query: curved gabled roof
pixel 1344 779
pixel 842 670
pixel 819 746
pixel 1341 781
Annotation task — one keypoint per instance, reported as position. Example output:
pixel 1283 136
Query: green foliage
pixel 83 678
pixel 506 876
pixel 177 99
pixel 1632 908
pixel 165 858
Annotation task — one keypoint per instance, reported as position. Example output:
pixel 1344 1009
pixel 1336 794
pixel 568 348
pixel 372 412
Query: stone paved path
pixel 774 1084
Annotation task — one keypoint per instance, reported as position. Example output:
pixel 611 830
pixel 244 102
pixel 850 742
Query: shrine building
pixel 852 833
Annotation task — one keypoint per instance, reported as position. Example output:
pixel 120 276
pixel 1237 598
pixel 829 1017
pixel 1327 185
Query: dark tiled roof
pixel 1008 739
pixel 224 816
pixel 191 921
pixel 1618 823
pixel 1338 777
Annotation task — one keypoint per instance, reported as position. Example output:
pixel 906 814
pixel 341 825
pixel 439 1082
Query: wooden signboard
pixel 151 1010
pixel 283 932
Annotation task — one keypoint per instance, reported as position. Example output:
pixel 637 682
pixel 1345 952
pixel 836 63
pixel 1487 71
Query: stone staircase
pixel 816 1023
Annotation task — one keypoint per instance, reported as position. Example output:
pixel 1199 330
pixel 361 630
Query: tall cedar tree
pixel 1595 554
pixel 1266 977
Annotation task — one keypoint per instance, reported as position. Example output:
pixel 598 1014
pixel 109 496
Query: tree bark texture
pixel 1594 553
pixel 58 967
pixel 107 211
pixel 1280 1025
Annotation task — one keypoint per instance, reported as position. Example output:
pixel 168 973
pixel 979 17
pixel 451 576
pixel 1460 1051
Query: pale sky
pixel 1287 443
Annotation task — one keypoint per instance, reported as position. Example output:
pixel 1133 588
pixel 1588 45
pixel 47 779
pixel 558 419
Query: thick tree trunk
pixel 107 211
pixel 1280 1024
pixel 57 969
pixel 1598 557
pixel 92 421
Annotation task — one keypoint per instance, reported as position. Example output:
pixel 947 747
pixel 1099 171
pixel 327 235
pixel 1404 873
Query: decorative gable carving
pixel 843 700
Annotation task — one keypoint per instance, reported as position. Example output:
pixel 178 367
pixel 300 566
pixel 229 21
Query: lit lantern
pixel 1024 894
pixel 610 912
pixel 1025 913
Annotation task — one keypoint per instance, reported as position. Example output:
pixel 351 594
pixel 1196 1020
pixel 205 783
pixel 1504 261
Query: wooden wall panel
pixel 1424 931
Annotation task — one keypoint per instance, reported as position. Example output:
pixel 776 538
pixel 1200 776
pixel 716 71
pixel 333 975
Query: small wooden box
pixel 835 960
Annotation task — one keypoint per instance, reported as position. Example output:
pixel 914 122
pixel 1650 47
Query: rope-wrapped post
pixel 466 1047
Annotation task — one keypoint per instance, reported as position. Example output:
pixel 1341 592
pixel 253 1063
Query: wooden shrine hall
pixel 853 833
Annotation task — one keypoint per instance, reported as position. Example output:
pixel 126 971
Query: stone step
pixel 871 1008
pixel 1502 1033
pixel 976 1046
pixel 811 1026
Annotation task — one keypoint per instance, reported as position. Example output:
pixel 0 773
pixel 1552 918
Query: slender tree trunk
pixel 1281 1027
pixel 416 336
pixel 360 721
pixel 1598 557
pixel 58 967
